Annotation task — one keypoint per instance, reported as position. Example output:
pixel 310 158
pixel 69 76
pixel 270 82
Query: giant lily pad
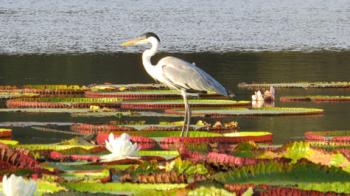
pixel 145 94
pixel 46 90
pixel 296 85
pixel 11 95
pixel 270 111
pixel 196 136
pixel 85 128
pixel 329 136
pixel 120 188
pixel 57 102
pixel 5 133
pixel 127 87
pixel 315 98
pixel 275 173
pixel 165 104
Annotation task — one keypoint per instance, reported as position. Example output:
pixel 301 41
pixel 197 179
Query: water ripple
pixel 65 26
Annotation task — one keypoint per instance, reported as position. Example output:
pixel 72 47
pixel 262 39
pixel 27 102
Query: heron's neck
pixel 147 54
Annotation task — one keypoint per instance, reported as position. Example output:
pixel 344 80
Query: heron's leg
pixel 183 93
pixel 188 118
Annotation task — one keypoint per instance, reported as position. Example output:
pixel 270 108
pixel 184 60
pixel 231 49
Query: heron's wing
pixel 184 75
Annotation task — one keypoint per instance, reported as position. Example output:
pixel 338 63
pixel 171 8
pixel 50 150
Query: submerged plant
pixel 17 186
pixel 120 148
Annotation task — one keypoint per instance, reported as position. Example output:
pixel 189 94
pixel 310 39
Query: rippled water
pixel 228 68
pixel 61 26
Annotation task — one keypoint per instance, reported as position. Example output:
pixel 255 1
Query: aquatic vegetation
pixel 296 85
pixel 257 96
pixel 264 189
pixel 269 111
pixel 279 173
pixel 194 137
pixel 62 102
pixel 5 133
pixel 127 87
pixel 315 98
pixel 209 190
pixel 115 187
pixel 85 128
pixel 185 167
pixel 46 90
pixel 126 94
pixel 120 148
pixel 328 136
pixel 224 138
pixel 17 186
pixel 11 95
pixel 128 156
pixel 17 159
pixel 178 103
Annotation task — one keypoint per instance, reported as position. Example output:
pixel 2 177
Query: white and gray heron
pixel 176 73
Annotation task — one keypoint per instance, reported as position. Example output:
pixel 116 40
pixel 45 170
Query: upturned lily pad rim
pixel 9 142
pixel 55 147
pixel 69 100
pixel 334 136
pixel 196 134
pixel 116 187
pixel 296 85
pixel 315 98
pixel 190 101
pixel 269 111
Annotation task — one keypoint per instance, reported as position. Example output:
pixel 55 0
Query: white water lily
pixel 257 104
pixel 257 96
pixel 269 95
pixel 120 148
pixel 17 186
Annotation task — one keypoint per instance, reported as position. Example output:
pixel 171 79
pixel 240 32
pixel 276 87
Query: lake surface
pixel 66 26
pixel 229 68
pixel 77 42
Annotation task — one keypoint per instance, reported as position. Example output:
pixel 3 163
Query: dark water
pixel 229 68
pixel 66 26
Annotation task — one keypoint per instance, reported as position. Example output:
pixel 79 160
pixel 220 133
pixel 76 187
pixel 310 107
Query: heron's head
pixel 143 39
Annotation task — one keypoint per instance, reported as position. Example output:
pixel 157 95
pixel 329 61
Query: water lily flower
pixel 257 104
pixel 17 186
pixel 269 95
pixel 257 96
pixel 120 148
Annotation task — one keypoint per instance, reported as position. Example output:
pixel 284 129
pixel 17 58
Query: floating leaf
pixel 127 94
pixel 315 98
pixel 62 102
pixel 122 188
pixel 296 85
pixel 329 136
pixel 186 167
pixel 269 111
pixel 209 190
pixel 166 104
pixel 5 133
pixel 273 172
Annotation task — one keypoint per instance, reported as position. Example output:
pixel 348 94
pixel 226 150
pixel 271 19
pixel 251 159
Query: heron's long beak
pixel 133 42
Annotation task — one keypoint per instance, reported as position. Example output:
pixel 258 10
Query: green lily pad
pixel 270 111
pixel 120 188
pixel 11 95
pixel 178 103
pixel 315 98
pixel 9 142
pixel 275 173
pixel 296 85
